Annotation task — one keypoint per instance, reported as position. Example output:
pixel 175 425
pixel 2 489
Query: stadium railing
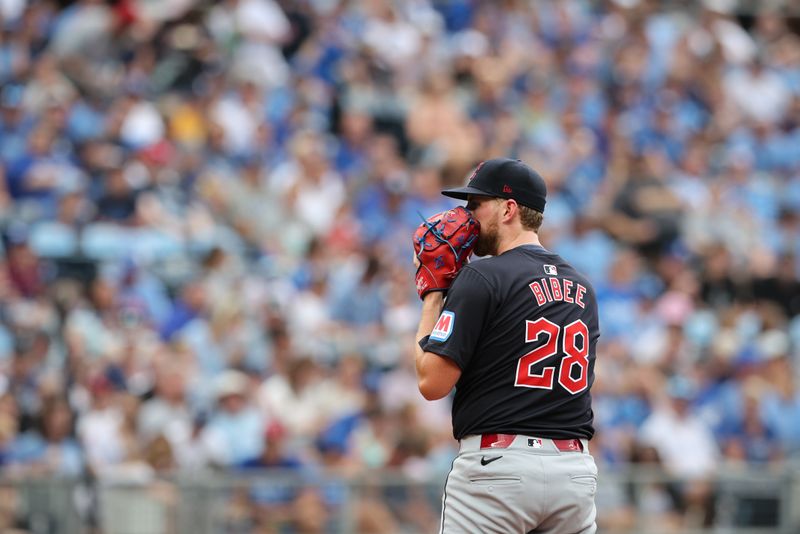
pixel 630 499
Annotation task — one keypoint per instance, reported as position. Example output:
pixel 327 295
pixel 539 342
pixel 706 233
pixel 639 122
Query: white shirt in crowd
pixel 685 444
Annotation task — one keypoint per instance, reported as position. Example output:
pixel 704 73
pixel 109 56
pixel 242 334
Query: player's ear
pixel 509 208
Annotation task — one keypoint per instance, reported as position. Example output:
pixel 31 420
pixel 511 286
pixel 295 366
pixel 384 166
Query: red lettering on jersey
pixel 567 288
pixel 579 292
pixel 538 293
pixel 546 290
pixel 556 287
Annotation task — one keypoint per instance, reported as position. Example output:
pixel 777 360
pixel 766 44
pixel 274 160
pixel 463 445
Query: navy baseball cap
pixel 505 178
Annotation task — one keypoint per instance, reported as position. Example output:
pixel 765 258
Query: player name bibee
pixel 551 289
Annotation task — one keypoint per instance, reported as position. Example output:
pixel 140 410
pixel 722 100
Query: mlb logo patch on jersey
pixel 444 326
pixel 551 270
pixel 536 443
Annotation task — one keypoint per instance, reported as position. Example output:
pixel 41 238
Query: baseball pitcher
pixel 516 336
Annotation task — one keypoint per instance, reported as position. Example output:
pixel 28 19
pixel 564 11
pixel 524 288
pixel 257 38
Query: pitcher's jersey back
pixel 523 327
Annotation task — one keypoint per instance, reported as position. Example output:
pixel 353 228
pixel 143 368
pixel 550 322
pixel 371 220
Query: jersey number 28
pixel 575 351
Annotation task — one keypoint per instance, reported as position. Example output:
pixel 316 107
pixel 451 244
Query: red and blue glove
pixel 443 244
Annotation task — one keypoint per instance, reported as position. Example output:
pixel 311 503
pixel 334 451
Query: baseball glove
pixel 442 245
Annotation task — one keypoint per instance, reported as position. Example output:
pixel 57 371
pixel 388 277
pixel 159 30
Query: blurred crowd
pixel 206 210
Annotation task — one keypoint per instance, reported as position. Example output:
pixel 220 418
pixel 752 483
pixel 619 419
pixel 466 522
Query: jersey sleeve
pixel 466 309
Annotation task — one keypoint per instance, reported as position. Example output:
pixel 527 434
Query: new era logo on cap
pixel 507 189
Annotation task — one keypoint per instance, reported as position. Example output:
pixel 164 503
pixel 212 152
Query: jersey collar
pixel 535 247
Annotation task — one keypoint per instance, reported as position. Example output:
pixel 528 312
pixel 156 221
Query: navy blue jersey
pixel 523 328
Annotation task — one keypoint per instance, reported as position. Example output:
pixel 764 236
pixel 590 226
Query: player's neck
pixel 524 237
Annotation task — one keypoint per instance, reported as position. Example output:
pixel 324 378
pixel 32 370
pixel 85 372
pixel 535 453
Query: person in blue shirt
pixel 50 449
pixel 274 454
